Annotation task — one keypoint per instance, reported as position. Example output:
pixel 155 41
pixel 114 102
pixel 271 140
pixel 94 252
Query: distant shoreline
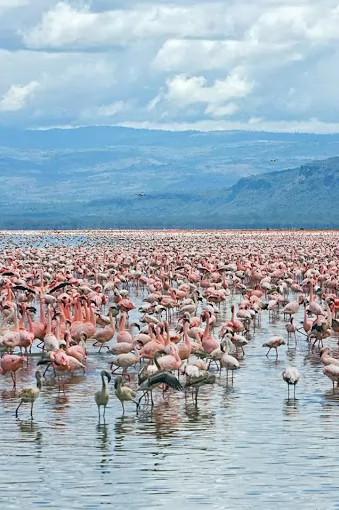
pixel 165 230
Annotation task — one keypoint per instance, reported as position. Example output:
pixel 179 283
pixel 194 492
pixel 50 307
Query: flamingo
pixel 292 307
pixel 274 343
pixel 236 325
pixel 185 349
pixel 125 361
pixel 314 307
pixel 101 396
pixel 30 394
pixel 332 372
pixel 291 329
pixel 307 324
pixel 228 361
pixel 209 343
pixel 170 361
pixel 106 334
pixel 326 359
pixel 162 377
pixel 123 334
pixel 77 351
pixel 11 363
pixel 291 376
pixel 124 393
pixel 196 380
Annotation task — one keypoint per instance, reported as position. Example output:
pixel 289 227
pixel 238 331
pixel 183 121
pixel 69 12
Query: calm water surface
pixel 242 447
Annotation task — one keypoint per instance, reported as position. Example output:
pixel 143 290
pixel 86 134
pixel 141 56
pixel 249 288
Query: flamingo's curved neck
pixel 207 327
pixel 111 321
pixel 186 338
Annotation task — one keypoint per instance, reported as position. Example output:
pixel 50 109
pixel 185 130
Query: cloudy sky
pixel 232 64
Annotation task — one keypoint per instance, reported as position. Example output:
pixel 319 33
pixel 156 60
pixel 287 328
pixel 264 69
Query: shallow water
pixel 241 447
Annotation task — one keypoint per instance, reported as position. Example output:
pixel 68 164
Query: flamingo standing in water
pixel 124 393
pixel 125 361
pixel 11 363
pixel 106 334
pixel 332 372
pixel 185 349
pixel 292 307
pixel 291 329
pixel 209 343
pixel 235 324
pixel 170 361
pixel 162 377
pixel 101 396
pixel 30 394
pixel 314 307
pixel 274 343
pixel 228 361
pixel 307 324
pixel 123 334
pixel 77 351
pixel 291 376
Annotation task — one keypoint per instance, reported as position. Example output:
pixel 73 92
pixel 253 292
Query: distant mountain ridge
pixel 92 177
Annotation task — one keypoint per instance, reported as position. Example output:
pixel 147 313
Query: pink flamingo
pixel 307 324
pixel 185 349
pixel 292 307
pixel 170 361
pixel 209 343
pixel 26 337
pixel 156 344
pixel 123 334
pixel 11 363
pixel 11 337
pixel 77 351
pixel 236 325
pixel 314 307
pixel 106 334
pixel 39 327
pixel 291 329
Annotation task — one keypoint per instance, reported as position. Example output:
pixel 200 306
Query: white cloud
pixel 187 90
pixel 65 25
pixel 174 62
pixel 69 83
pixel 316 23
pixel 12 4
pixel 17 96
pixel 197 55
pixel 112 109
pixel 184 91
pixel 217 110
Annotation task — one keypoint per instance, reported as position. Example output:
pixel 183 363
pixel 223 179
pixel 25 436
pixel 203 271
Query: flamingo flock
pixel 163 311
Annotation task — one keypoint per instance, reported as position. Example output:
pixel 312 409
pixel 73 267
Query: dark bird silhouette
pixel 60 286
pixel 202 354
pixel 202 268
pixel 22 287
pixel 140 194
pixel 161 377
pixel 197 381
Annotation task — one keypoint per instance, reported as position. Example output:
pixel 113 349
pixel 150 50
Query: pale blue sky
pixel 264 64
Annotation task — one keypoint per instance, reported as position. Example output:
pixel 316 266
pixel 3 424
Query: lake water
pixel 240 448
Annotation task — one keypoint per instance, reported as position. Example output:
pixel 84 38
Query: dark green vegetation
pixel 91 178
